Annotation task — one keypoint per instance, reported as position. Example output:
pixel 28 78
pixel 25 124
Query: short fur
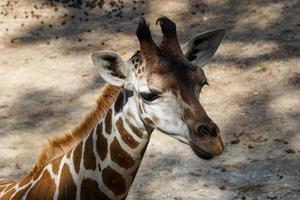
pixel 61 144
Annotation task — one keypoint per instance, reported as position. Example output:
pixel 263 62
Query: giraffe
pixel 156 89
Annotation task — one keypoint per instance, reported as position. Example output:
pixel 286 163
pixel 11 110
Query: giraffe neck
pixel 102 166
pixel 119 143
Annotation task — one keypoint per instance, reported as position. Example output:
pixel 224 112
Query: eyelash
pixel 148 96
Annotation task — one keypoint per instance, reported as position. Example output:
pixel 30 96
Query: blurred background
pixel 48 84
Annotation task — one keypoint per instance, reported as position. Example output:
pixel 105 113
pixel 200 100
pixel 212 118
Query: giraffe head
pixel 166 81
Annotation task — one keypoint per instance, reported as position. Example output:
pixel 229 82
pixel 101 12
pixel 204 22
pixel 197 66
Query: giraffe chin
pixel 207 147
pixel 200 152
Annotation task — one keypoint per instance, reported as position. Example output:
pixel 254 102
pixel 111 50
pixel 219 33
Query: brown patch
pixel 139 71
pixel 99 129
pixel 134 129
pixel 114 181
pixel 77 153
pixel 119 156
pixel 44 188
pixel 61 144
pixel 67 188
pixel 126 137
pixel 20 193
pixel 135 66
pixel 25 181
pixel 90 190
pixel 89 159
pixel 119 103
pixel 188 114
pixel 108 122
pixel 101 144
pixel 56 164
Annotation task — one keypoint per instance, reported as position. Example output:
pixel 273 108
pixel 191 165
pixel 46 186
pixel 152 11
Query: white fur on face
pixel 166 114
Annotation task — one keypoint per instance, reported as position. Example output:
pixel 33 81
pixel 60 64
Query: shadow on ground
pixel 33 108
pixel 98 16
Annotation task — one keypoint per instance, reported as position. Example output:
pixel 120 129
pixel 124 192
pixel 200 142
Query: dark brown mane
pixel 62 144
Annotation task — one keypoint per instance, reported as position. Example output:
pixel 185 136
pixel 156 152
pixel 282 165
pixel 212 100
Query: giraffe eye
pixel 148 96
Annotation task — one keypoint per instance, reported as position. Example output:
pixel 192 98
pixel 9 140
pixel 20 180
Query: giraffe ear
pixel 111 67
pixel 201 48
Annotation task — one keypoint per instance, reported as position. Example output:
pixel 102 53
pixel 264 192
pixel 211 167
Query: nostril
pixel 204 130
pixel 208 130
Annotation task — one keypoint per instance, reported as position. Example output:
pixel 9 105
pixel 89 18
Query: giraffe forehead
pixel 171 81
pixel 169 73
pixel 173 67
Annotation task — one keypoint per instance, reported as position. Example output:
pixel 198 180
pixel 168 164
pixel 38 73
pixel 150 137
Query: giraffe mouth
pixel 200 152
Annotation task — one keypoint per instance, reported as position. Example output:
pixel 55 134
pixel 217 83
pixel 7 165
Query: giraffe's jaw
pixel 182 139
pixel 200 152
pixel 204 147
pixel 207 148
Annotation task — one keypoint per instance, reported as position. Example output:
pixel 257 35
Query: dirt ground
pixel 48 83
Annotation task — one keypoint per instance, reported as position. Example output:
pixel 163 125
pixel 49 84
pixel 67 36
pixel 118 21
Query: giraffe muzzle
pixel 207 147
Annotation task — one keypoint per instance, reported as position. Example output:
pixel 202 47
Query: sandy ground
pixel 48 83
